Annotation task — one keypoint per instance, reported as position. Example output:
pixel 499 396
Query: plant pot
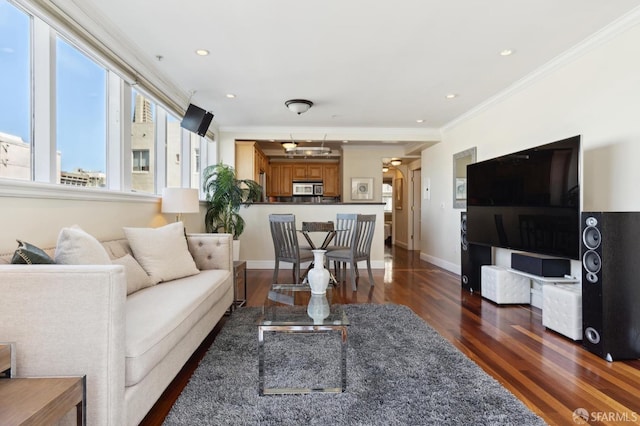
pixel 236 250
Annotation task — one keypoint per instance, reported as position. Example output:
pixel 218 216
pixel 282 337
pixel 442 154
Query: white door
pixel 416 209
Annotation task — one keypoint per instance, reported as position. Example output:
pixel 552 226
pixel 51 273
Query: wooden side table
pixel 239 280
pixel 41 400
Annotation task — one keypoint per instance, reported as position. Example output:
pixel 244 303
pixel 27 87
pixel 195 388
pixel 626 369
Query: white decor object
pixel 562 309
pixel 236 250
pixel 318 275
pixel 318 308
pixel 503 287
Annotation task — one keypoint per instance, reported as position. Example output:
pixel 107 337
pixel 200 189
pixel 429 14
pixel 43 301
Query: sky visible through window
pixel 15 106
pixel 81 94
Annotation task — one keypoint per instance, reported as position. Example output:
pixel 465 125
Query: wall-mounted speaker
pixel 473 256
pixel 611 284
pixel 196 120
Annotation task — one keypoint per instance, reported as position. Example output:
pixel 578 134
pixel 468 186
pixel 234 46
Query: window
pixel 143 142
pixel 69 130
pixel 15 86
pixel 195 142
pixel 387 197
pixel 140 160
pixel 174 146
pixel 81 117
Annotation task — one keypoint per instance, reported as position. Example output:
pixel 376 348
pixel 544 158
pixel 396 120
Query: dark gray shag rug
pixel 399 372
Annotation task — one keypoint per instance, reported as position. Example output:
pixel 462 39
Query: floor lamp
pixel 179 201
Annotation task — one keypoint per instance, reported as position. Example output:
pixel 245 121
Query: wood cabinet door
pixel 331 180
pixel 286 180
pixel 299 171
pixel 314 171
pixel 273 180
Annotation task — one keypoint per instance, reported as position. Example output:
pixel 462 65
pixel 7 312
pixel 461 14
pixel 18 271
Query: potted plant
pixel 225 193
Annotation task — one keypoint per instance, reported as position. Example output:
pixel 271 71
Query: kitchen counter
pixel 332 203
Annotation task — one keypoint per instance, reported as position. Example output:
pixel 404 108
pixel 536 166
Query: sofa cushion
pixel 77 247
pixel 159 317
pixel 162 252
pixel 28 254
pixel 137 278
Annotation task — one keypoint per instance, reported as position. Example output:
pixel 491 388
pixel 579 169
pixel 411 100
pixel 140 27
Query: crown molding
pixel 595 40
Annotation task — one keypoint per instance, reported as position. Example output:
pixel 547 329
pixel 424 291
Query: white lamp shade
pixel 180 200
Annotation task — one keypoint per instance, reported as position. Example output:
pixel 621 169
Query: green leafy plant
pixel 225 193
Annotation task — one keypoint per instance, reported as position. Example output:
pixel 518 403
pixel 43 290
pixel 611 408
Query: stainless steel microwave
pixel 307 188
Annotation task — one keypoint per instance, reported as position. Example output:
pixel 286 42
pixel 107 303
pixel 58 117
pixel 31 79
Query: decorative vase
pixel 318 308
pixel 318 275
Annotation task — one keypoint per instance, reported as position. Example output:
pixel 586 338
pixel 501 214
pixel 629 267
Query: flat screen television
pixel 527 201
pixel 196 120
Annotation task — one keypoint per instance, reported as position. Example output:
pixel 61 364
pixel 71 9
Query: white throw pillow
pixel 77 247
pixel 162 252
pixel 137 278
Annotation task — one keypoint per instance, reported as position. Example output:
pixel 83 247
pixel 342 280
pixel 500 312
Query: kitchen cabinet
pixel 331 180
pixel 250 160
pixel 307 171
pixel 280 180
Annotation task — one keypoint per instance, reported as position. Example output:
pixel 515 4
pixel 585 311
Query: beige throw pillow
pixel 162 252
pixel 77 247
pixel 137 278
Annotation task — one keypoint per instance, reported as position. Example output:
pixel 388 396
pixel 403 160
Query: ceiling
pixel 363 63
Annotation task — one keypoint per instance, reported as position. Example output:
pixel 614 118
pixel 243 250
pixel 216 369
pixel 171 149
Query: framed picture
pixel 461 188
pixel 397 189
pixel 362 188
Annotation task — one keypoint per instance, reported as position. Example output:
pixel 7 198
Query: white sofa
pixel 78 320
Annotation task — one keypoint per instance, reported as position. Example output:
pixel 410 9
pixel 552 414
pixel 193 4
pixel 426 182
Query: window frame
pixel 46 25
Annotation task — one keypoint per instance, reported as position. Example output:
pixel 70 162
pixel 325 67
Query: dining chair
pixel 285 245
pixel 358 248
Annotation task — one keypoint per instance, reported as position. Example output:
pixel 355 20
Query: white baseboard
pixel 444 264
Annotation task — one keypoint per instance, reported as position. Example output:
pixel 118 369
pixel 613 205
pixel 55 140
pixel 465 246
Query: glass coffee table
pixel 292 308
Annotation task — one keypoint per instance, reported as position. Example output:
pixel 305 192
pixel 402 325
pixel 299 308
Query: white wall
pixel 595 94
pixel 37 217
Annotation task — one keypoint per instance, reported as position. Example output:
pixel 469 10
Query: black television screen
pixel 196 120
pixel 528 200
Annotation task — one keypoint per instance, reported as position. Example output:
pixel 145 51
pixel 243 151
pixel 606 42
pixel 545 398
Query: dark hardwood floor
pixel 551 374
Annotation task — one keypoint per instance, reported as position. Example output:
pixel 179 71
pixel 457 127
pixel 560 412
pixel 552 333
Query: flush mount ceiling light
pixel 298 105
pixel 289 146
pixel 202 52
pixel 396 163
pixel 385 169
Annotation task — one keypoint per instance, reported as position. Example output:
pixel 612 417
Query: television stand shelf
pixel 546 280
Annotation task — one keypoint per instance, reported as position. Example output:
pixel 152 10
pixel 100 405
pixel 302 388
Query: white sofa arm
pixel 69 320
pixel 212 251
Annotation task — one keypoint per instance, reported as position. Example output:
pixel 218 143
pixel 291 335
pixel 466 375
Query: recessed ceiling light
pixel 230 95
pixel 420 120
pixel 507 52
pixel 202 52
pixel 451 96
pixel 345 141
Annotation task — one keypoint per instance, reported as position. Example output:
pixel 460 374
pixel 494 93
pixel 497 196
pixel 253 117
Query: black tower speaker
pixel 473 256
pixel 611 284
